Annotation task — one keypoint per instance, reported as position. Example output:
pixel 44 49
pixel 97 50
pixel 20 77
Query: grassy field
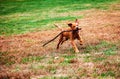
pixel 21 16
pixel 25 25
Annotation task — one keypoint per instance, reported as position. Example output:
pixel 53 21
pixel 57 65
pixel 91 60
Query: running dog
pixel 71 33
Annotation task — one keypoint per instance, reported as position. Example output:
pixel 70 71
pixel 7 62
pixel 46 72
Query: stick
pixel 58 27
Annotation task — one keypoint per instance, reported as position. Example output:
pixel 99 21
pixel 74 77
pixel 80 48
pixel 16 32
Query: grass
pixel 108 63
pixel 32 59
pixel 103 51
pixel 99 61
pixel 108 73
pixel 87 59
pixel 54 78
pixel 104 46
pixel 110 51
pixel 51 69
pixel 95 58
pixel 5 59
pixel 17 17
pixel 68 58
pixel 28 5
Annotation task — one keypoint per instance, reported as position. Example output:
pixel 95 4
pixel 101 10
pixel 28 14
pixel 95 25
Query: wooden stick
pixel 58 27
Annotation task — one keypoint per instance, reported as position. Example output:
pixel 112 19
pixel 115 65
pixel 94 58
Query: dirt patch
pixel 18 75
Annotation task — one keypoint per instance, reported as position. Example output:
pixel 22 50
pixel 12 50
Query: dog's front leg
pixel 80 40
pixel 74 46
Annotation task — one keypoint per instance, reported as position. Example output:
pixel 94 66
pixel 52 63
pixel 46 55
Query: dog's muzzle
pixel 77 28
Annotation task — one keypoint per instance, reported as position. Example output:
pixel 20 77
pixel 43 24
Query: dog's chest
pixel 75 34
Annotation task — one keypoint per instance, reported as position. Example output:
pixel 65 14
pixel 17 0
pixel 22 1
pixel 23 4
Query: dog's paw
pixel 77 51
pixel 81 44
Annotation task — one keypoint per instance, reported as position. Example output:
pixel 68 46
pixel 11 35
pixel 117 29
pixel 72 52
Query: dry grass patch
pixel 98 57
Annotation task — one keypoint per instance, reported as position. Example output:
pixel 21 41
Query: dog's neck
pixel 75 31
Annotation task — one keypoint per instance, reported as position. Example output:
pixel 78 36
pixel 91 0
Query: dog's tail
pixel 58 27
pixel 52 39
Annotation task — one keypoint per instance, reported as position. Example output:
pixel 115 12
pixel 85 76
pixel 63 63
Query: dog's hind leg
pixel 64 39
pixel 60 40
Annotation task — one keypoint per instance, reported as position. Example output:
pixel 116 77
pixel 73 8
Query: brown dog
pixel 72 35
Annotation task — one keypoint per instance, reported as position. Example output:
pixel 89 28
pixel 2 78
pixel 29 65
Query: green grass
pixel 110 51
pixel 87 59
pixel 106 47
pixel 21 16
pixel 95 58
pixel 67 59
pixel 98 59
pixel 52 70
pixel 103 50
pixel 32 59
pixel 108 73
pixel 54 78
pixel 15 6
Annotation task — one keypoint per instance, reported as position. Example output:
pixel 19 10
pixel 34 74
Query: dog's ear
pixel 77 21
pixel 70 24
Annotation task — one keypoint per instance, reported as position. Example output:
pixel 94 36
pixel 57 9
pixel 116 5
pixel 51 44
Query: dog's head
pixel 75 25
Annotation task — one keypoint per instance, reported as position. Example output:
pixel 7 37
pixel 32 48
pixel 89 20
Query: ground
pixel 22 55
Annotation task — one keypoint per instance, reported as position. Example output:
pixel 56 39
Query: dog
pixel 72 34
